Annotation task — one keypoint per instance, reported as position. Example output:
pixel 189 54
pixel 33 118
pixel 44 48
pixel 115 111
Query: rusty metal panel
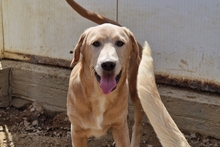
pixel 184 37
pixel 47 28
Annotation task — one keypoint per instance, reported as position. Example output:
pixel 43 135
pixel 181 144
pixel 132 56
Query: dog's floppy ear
pixel 77 49
pixel 135 45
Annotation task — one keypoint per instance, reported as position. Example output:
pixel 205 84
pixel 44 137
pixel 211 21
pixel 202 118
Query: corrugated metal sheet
pixel 184 36
pixel 48 28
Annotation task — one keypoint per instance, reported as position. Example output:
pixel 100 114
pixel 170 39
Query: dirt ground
pixel 32 126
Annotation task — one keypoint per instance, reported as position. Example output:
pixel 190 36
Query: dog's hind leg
pixel 138 112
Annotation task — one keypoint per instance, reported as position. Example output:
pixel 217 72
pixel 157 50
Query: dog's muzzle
pixel 108 81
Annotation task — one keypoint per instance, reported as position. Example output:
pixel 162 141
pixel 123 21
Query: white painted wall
pixel 184 35
pixel 48 28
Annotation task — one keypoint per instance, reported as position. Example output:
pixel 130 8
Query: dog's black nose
pixel 108 66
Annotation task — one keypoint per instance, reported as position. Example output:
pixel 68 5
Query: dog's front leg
pixel 121 134
pixel 78 140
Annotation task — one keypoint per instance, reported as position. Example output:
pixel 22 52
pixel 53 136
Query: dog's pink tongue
pixel 107 84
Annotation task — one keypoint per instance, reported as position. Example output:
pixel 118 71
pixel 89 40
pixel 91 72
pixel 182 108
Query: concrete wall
pixel 48 86
pixel 192 110
pixel 30 82
pixel 5 96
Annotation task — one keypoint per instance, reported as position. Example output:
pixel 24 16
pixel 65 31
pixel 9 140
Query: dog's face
pixel 106 50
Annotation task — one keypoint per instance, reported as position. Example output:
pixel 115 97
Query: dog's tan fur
pixel 166 129
pixel 163 124
pixel 90 111
pixel 132 72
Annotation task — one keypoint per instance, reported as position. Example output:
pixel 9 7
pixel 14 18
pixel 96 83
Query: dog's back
pixel 164 126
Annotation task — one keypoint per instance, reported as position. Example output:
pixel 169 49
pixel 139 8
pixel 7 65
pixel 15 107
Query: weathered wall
pixel 184 37
pixel 192 110
pixel 1 32
pixel 5 96
pixel 48 28
pixel 45 85
pixel 48 86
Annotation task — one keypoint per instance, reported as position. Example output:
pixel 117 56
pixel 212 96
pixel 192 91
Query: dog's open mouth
pixel 108 82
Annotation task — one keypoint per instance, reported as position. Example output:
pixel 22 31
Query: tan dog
pixel 98 87
pixel 132 76
pixel 164 126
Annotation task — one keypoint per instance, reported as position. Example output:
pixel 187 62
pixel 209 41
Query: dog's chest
pixel 101 110
pixel 96 115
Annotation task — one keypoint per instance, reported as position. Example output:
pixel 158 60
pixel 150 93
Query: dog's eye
pixel 119 43
pixel 96 44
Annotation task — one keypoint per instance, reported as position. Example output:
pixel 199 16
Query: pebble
pixel 23 136
pixel 144 141
pixel 32 109
pixel 206 140
pixel 35 123
pixel 26 123
pixel 193 135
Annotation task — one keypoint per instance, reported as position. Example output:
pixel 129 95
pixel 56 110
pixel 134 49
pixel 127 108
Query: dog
pixel 164 126
pixel 98 91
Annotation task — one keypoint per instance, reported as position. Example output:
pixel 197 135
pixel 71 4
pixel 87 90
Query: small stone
pixel 35 123
pixel 29 128
pixel 206 140
pixel 38 132
pixel 193 135
pixel 26 124
pixel 113 143
pixel 23 136
pixel 32 109
pixel 187 136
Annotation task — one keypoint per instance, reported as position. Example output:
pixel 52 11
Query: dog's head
pixel 105 51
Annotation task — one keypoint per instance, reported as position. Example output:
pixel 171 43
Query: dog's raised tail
pixel 164 126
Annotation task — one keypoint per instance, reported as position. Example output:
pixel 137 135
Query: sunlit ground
pixel 6 139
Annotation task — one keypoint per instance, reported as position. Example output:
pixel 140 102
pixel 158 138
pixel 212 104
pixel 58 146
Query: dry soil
pixel 32 126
